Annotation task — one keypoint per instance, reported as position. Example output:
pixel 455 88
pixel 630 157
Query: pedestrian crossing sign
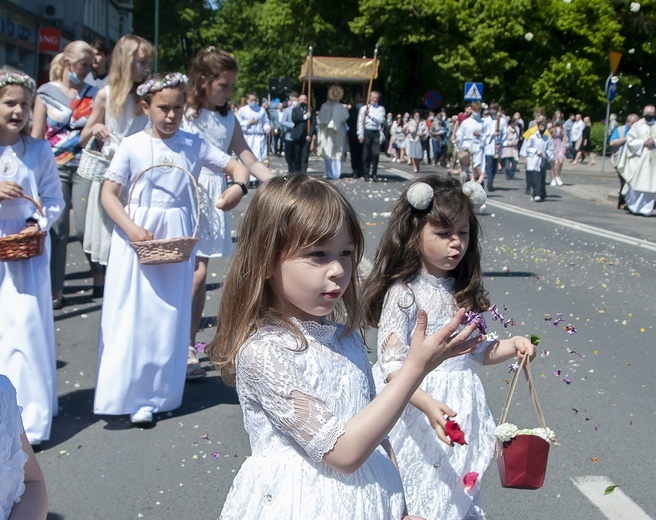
pixel 473 91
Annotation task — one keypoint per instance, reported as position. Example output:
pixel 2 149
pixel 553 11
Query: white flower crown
pixel 172 79
pixel 420 195
pixel 16 78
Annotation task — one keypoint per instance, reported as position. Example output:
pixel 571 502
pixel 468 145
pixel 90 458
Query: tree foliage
pixel 528 53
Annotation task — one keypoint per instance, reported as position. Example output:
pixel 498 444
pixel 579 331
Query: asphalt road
pixel 574 254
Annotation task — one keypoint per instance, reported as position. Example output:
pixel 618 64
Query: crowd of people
pixel 319 417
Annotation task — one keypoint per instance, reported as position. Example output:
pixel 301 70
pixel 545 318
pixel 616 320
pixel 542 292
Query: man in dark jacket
pixel 304 120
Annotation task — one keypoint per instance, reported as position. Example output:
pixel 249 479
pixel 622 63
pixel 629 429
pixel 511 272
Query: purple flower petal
pixel 567 381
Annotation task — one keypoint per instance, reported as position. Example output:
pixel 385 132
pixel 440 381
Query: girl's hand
pixel 428 352
pixel 100 131
pixel 230 197
pixel 436 412
pixel 523 346
pixel 139 234
pixel 30 227
pixel 9 190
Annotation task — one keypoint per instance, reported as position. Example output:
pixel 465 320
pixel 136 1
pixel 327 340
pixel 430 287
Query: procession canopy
pixel 339 70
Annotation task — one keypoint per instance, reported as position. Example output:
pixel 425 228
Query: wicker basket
pixel 22 246
pixel 166 250
pixel 93 164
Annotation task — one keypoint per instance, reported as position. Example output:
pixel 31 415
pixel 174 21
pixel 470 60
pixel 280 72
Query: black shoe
pixel 375 178
pixel 58 304
pixel 98 291
pixel 367 178
pixel 490 188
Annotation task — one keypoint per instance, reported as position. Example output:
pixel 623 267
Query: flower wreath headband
pixel 173 79
pixel 420 195
pixel 15 78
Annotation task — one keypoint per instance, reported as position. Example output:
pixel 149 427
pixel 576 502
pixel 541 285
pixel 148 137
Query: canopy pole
pixel 309 120
pixel 373 72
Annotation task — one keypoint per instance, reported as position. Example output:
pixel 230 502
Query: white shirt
pixel 246 114
pixel 577 130
pixel 371 119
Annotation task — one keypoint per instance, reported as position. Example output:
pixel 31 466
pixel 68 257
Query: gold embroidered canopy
pixel 339 70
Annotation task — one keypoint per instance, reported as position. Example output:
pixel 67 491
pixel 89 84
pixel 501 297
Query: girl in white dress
pixel 286 334
pixel 116 114
pixel 212 77
pixel 144 328
pixel 23 492
pixel 429 258
pixel 27 332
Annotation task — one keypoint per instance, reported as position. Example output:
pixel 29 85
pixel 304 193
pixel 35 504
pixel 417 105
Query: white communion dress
pixel 144 327
pixel 296 403
pixel 27 331
pixel 432 471
pixel 214 239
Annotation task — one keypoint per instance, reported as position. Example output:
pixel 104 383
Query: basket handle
pixel 524 366
pixel 193 182
pixel 36 204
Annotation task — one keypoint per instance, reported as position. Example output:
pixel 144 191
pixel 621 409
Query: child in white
pixel 212 76
pixel 116 114
pixel 304 382
pixel 144 329
pixel 429 258
pixel 23 492
pixel 27 332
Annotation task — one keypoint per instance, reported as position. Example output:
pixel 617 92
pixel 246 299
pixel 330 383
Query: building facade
pixel 32 32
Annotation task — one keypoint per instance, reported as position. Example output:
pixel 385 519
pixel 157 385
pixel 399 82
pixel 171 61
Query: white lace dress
pixel 295 404
pixel 214 239
pixel 12 456
pixel 432 471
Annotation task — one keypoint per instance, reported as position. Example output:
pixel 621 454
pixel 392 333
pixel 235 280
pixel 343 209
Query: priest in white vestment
pixel 332 119
pixel 638 165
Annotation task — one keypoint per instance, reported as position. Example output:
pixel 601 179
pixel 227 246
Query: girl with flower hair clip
pixel 144 327
pixel 27 331
pixel 286 336
pixel 430 258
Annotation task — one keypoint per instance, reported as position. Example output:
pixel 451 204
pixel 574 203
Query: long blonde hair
pixel 286 214
pixel 72 53
pixel 120 71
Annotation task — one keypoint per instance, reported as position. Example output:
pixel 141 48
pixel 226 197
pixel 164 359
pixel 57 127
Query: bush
pixel 597 134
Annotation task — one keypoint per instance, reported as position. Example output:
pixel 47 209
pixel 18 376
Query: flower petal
pixel 470 480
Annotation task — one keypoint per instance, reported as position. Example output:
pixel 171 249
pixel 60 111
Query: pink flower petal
pixel 470 480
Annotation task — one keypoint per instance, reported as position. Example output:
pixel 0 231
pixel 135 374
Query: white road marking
pixel 614 506
pixel 605 233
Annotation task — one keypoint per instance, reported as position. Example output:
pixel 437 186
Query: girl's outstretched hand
pixel 428 352
pixel 10 189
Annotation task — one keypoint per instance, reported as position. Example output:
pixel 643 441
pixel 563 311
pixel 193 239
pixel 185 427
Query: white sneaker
pixel 481 210
pixel 559 181
pixel 143 416
pixel 537 198
pixel 554 182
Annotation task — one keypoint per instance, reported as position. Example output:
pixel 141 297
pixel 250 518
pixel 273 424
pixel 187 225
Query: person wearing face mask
pixel 61 109
pixel 638 164
pixel 416 129
pixel 538 150
pixel 304 119
pixel 471 136
pixel 255 125
pixel 286 126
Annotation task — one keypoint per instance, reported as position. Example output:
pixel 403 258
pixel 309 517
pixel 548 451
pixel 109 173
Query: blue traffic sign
pixel 611 87
pixel 473 91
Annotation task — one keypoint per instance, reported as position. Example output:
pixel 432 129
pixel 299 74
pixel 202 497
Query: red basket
pixel 522 461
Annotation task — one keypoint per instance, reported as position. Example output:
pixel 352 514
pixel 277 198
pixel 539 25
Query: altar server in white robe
pixel 471 136
pixel 255 124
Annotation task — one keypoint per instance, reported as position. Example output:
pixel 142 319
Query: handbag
pixel 522 460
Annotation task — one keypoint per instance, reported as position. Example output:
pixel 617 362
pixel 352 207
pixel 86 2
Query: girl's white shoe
pixel 559 181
